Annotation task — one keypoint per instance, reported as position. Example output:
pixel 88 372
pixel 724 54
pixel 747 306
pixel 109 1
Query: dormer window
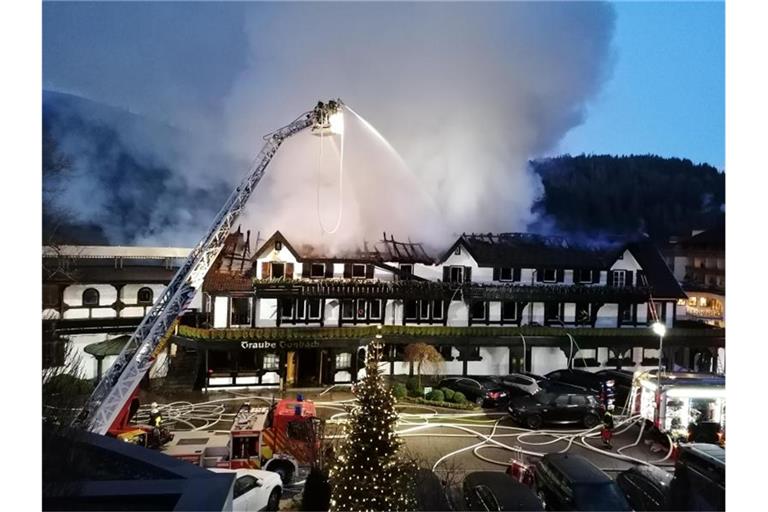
pixel 358 270
pixel 583 276
pixel 406 270
pixel 317 270
pixel 619 278
pixel 278 270
pixel 457 274
pixel 278 245
pixel 549 275
pixel 505 274
pixel 457 252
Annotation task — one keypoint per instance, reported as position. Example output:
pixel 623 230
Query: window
pixel 508 310
pixel 278 270
pixel 583 314
pixel 578 400
pixel 286 309
pixel 457 252
pixel 437 310
pixel 271 362
pixel 424 309
pixel 619 278
pixel 145 295
pixel 446 351
pixel 343 360
pixel 561 401
pixel 300 430
pixel 457 274
pixel 553 312
pixel 583 276
pixel 374 309
pixel 549 275
pixel 505 274
pixel 313 309
pixel 347 309
pixel 241 311
pixel 406 270
pixel 317 270
pixel 625 313
pixel 243 485
pixel 358 270
pixel 410 309
pixel 91 297
pixel 278 245
pixel 477 311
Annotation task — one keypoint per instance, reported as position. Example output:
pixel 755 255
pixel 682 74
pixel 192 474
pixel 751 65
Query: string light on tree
pixel 368 474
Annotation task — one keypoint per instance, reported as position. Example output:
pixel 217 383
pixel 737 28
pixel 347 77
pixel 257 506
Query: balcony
pixel 705 313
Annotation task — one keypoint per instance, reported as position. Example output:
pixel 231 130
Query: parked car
pixel 492 490
pixel 571 482
pixel 254 489
pixel 699 480
pixel 622 387
pixel 484 391
pixel 559 405
pixel 581 378
pixel 645 487
pixel 430 493
pixel 521 383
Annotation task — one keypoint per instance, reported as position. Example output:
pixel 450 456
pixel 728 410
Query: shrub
pixel 436 396
pixel 399 390
pixel 448 394
pixel 419 392
pixel 412 384
pixel 459 398
pixel 66 384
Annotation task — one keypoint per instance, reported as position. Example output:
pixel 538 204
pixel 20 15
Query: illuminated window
pixel 271 362
pixel 343 360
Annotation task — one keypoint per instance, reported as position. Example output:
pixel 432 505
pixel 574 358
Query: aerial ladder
pixel 110 402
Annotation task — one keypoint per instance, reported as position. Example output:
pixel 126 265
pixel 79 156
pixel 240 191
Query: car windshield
pixel 599 497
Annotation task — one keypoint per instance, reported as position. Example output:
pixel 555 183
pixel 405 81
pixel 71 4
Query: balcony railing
pixel 436 290
pixel 704 312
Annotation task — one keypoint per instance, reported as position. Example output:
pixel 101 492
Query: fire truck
pixel 114 401
pixel 283 437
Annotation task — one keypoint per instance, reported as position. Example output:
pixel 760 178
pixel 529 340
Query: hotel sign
pixel 276 345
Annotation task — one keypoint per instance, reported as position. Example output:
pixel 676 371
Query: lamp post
pixel 660 329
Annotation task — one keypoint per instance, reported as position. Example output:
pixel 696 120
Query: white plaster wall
pixel 547 359
pixel 76 313
pixel 628 262
pixel 393 312
pixel 331 312
pixel 103 313
pixel 453 367
pixel 135 311
pixel 602 355
pixel 538 313
pixel 383 274
pixel 266 312
pixel 220 311
pixel 670 320
pixel 680 262
pixel 458 314
pixel 494 311
pixel 343 376
pixel 73 294
pixel 495 362
pixel 642 313
pixel 607 316
pixel 338 270
pixel 130 292
pixel 79 362
pixel 568 277
pixel 50 314
pixel 527 276
pixel 431 272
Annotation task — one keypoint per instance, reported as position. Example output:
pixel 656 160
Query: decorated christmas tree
pixel 368 475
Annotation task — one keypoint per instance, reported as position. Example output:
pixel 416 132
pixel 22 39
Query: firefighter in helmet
pixel 154 416
pixel 607 431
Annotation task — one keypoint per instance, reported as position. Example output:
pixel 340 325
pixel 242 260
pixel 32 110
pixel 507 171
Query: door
pixel 558 411
pixel 246 494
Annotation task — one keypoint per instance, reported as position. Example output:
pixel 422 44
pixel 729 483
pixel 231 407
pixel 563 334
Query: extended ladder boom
pixel 136 358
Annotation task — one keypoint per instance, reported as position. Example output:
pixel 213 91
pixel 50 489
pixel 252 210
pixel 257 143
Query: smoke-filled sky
pixel 465 93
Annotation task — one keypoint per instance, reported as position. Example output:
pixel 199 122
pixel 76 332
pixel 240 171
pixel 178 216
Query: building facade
pixel 277 314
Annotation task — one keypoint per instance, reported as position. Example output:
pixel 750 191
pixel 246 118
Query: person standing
pixel 607 431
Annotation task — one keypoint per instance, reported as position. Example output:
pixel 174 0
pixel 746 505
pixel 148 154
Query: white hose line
pixel 341 188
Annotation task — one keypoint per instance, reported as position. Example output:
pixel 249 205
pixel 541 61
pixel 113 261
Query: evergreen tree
pixel 367 474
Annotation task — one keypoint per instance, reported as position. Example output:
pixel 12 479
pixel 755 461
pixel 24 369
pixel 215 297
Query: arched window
pixel 145 295
pixel 91 297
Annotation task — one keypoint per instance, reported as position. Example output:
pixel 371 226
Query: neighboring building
pixel 492 304
pixel 94 296
pixel 698 263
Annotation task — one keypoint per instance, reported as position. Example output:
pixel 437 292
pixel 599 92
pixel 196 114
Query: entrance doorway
pixel 313 368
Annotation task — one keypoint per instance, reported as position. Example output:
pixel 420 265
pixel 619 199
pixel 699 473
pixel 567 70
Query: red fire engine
pixel 281 438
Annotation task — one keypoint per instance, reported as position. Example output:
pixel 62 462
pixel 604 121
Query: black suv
pixel 571 482
pixel 484 391
pixel 646 487
pixel 492 490
pixel 556 405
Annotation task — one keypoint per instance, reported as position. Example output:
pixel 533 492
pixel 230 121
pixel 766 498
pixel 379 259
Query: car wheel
pixel 273 504
pixel 286 474
pixel 590 420
pixel 533 421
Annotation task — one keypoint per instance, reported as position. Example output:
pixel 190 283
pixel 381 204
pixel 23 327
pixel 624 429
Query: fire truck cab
pixel 280 438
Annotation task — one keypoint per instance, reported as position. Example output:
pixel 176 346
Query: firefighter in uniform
pixel 607 431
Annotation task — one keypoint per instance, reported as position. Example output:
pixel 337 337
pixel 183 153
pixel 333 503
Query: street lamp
pixel 660 330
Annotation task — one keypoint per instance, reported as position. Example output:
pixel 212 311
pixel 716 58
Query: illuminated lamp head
pixel 659 328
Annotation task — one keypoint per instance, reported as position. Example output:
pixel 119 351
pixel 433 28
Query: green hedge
pixel 399 390
pixel 436 396
pixel 466 406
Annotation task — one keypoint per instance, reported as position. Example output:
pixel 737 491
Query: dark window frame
pixel 90 302
pixel 578 277
pixel 358 265
pixel 472 311
pixel 516 315
pixel 272 270
pixel 145 302
pixel 459 269
pixel 511 276
pixel 232 311
pixel 312 267
pixel 544 275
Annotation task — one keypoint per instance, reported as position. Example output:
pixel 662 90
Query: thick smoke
pixel 465 93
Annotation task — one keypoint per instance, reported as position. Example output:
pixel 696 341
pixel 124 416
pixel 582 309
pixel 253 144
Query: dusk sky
pixel 665 94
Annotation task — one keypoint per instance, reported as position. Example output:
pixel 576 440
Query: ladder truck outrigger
pixel 114 400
